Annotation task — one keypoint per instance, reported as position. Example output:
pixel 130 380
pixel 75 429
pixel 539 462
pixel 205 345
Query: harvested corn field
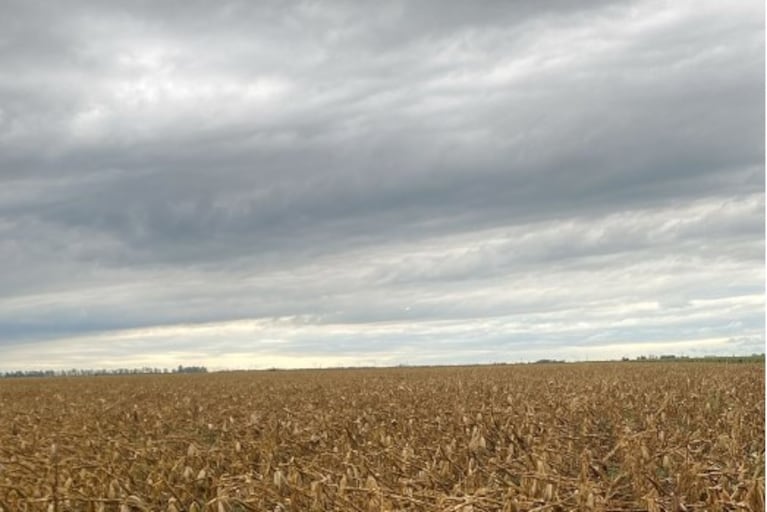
pixel 610 437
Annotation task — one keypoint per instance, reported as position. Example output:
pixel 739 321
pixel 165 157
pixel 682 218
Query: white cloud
pixel 267 185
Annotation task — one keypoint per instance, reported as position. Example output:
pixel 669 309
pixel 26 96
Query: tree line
pixel 79 372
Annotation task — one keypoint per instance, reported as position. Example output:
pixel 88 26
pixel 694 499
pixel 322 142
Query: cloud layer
pixel 307 184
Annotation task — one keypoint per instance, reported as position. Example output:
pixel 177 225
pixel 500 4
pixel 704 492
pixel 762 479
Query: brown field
pixel 612 436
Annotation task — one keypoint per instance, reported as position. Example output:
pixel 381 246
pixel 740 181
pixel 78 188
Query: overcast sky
pixel 301 184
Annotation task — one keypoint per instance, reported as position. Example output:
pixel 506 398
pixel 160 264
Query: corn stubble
pixel 603 437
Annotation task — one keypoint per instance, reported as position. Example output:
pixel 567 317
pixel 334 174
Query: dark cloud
pixel 407 164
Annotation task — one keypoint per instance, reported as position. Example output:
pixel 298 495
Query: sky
pixel 344 183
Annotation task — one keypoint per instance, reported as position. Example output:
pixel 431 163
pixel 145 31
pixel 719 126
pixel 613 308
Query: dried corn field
pixel 613 436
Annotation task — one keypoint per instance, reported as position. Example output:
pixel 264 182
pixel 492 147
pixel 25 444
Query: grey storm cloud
pixel 312 183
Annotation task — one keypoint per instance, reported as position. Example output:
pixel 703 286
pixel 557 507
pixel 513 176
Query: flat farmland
pixel 590 436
